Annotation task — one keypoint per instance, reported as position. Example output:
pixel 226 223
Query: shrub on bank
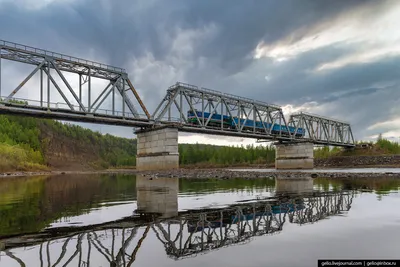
pixel 16 157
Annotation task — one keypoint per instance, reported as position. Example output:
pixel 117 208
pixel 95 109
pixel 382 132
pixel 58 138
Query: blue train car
pixel 215 119
pixel 230 123
pixel 249 124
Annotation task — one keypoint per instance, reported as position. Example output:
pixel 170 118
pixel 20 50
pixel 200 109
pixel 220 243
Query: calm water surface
pixel 123 220
pixel 341 170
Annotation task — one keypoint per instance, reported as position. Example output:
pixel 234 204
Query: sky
pixel 334 58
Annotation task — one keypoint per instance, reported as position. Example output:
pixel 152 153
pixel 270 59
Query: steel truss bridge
pixel 189 234
pixel 76 83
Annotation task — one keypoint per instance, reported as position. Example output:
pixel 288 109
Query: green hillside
pixel 35 144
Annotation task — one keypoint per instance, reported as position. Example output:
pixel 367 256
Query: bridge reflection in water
pixel 182 233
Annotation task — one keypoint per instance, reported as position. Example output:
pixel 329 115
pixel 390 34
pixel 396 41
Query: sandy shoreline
pixel 215 173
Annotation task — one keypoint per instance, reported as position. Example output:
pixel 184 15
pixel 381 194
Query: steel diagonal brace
pixel 25 80
pixel 351 134
pixel 309 126
pixel 309 129
pixel 227 109
pixel 286 125
pixel 206 106
pixel 138 98
pixel 247 116
pixel 100 96
pixel 326 130
pixel 262 122
pixel 295 123
pixel 269 116
pixel 68 85
pixel 58 89
pixel 192 108
pixel 127 101
pixel 341 132
pixel 161 104
pixel 172 96
pixel 105 97
pixel 180 111
pixel 273 119
pixel 214 109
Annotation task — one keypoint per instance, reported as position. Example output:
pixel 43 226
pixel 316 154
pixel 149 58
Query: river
pixel 125 220
pixel 335 170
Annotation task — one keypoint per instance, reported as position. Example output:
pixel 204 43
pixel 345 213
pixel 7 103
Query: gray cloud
pixel 210 43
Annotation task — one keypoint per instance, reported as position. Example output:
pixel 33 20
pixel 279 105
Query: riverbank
pixel 225 173
pixel 362 161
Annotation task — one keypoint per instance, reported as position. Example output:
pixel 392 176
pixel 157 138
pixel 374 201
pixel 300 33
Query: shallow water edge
pixel 228 173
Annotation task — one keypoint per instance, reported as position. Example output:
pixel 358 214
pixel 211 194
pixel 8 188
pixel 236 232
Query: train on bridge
pixel 229 122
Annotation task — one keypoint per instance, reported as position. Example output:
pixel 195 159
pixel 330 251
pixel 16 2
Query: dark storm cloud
pixel 244 24
pixel 356 93
pixel 297 80
pixel 118 28
pixel 118 32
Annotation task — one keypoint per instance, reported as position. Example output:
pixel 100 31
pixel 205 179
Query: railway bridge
pixel 73 89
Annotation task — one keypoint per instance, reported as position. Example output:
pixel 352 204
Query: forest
pixel 26 143
pixel 29 143
pixel 211 156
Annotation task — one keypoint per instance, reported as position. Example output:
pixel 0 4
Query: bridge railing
pixel 12 45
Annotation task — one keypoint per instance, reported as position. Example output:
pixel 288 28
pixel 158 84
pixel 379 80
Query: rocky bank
pixel 220 174
pixel 357 161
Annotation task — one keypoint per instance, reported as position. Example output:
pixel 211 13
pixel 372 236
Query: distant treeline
pixel 26 143
pixel 211 155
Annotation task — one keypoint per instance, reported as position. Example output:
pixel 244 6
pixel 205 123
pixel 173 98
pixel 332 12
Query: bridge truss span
pixel 202 110
pixel 75 83
pixel 322 130
pixel 205 110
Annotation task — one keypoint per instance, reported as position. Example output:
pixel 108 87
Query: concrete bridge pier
pixel 157 149
pixel 294 156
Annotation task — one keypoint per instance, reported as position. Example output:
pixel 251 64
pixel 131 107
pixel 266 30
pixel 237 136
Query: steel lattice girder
pixel 46 61
pixel 322 129
pixel 186 97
